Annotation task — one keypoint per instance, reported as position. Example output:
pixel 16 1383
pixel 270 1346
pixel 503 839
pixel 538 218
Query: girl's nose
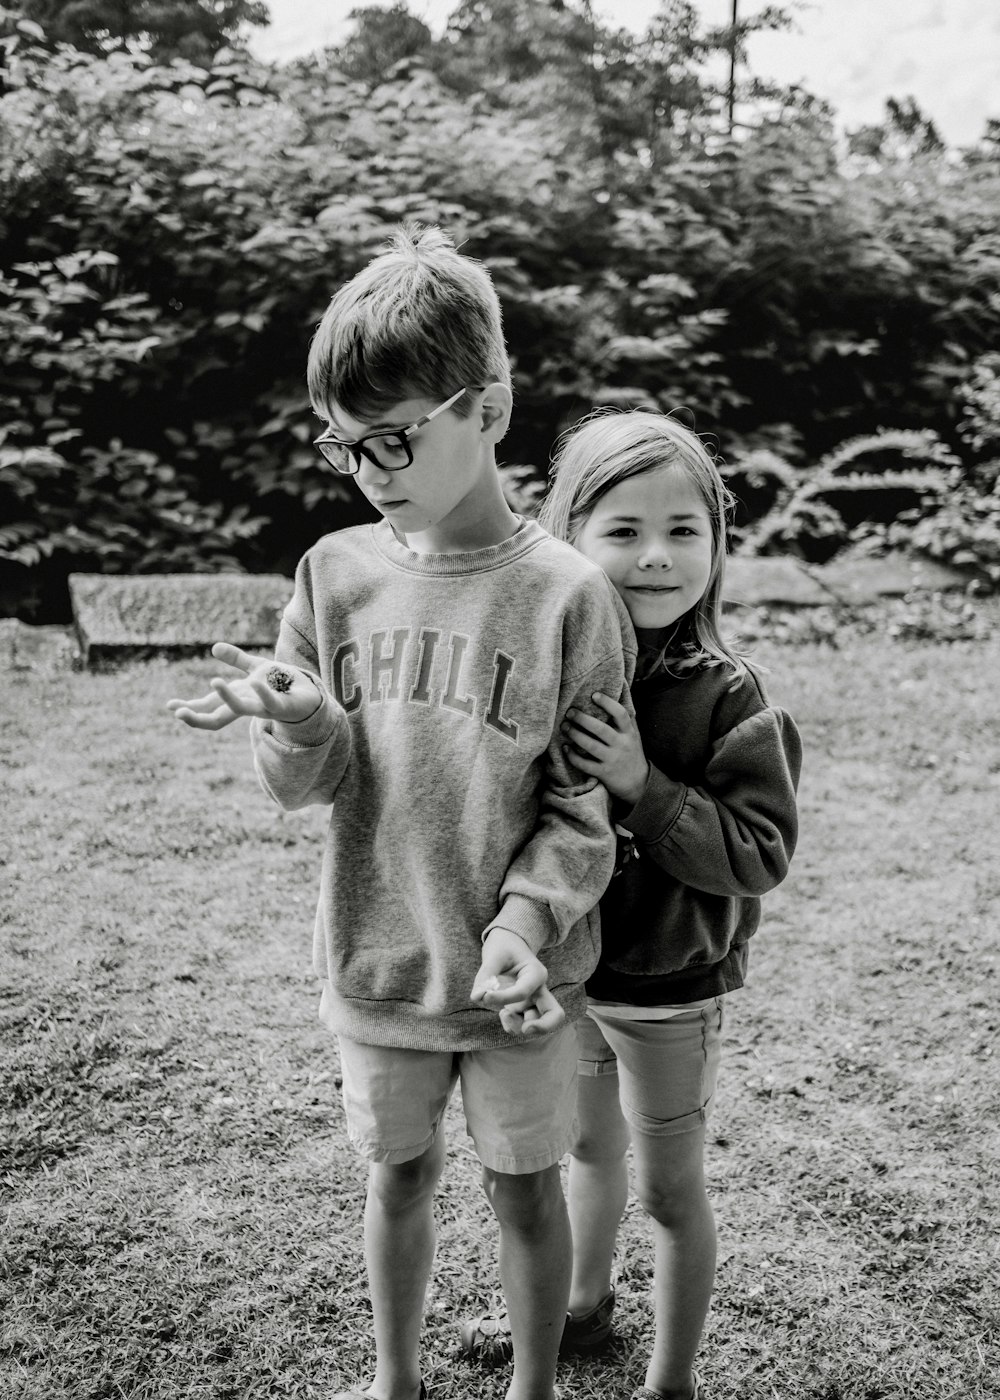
pixel 656 555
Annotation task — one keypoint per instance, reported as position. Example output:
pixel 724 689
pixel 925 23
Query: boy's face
pixel 448 464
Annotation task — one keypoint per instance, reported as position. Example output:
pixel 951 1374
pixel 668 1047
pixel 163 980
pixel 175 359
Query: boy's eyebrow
pixel 372 427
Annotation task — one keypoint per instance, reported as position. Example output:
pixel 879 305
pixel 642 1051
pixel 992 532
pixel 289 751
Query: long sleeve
pixel 734 833
pixel 299 765
pixel 561 872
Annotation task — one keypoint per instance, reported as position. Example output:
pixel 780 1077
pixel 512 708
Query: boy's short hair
pixel 420 321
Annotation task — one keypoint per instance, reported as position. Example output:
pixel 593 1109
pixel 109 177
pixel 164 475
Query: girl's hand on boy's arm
pixel 609 750
pixel 266 690
pixel 513 982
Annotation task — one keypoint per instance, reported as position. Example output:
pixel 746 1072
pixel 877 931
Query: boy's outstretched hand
pixel 513 982
pixel 266 690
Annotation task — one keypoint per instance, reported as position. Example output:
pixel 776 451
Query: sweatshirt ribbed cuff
pixel 657 809
pixel 309 733
pixel 529 919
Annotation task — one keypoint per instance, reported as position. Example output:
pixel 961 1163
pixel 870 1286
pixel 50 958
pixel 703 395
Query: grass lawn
pixel 182 1212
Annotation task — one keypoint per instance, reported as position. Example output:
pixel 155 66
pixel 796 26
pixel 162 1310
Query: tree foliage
pixel 194 30
pixel 170 235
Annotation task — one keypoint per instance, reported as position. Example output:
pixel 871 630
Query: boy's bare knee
pixel 400 1185
pixel 524 1202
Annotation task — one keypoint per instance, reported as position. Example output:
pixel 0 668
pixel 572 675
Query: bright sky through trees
pixel 855 53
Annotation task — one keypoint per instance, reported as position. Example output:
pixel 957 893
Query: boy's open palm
pixel 266 690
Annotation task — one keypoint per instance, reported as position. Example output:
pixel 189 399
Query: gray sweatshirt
pixel 445 679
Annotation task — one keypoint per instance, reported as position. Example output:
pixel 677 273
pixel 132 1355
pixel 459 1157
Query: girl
pixel 703 779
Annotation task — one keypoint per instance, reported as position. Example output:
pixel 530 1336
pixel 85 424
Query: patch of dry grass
pixel 183 1213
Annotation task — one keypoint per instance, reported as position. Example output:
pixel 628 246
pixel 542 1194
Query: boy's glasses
pixel 388 448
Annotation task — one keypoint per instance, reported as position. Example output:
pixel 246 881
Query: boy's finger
pixel 203 704
pixel 216 719
pixel 240 704
pixel 545 1024
pixel 235 656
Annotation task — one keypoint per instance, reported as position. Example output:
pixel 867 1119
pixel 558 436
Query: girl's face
pixel 652 536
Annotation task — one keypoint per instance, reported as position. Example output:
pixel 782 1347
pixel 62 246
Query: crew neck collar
pixel 472 561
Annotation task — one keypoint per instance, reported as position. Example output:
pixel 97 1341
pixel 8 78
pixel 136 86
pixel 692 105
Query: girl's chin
pixel 649 631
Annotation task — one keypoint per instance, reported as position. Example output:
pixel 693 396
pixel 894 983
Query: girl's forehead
pixel 668 490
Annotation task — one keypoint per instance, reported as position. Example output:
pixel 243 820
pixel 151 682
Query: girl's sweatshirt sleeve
pixel 733 834
pixel 302 764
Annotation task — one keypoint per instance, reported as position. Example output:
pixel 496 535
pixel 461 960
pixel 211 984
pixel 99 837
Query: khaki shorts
pixel 519 1101
pixel 666 1069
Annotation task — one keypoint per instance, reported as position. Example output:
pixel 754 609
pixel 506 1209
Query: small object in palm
pixel 279 680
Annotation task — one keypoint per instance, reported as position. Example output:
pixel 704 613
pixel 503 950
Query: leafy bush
pixel 170 236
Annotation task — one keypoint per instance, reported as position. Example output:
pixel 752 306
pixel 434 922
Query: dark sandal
pixel 487 1340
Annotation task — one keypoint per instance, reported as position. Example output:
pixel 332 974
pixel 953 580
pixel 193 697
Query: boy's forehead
pixel 396 415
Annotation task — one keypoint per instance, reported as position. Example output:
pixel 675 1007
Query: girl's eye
pixel 682 530
pixel 621 533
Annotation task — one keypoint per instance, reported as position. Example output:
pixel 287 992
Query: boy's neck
pixel 481 520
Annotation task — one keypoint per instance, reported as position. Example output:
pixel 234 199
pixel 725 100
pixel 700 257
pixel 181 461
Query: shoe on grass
pixel 487 1340
pixel 645 1393
pixel 363 1394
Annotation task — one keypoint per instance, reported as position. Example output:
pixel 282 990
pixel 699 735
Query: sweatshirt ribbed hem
pixel 406 1026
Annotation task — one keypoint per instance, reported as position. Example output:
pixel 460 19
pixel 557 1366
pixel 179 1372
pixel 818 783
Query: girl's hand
pixel 266 690
pixel 609 750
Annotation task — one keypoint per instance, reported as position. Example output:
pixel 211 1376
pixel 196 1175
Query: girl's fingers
pixel 586 742
pixel 593 725
pixel 618 712
pixel 583 761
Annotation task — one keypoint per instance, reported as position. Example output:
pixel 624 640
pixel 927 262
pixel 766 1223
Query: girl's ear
pixel 498 401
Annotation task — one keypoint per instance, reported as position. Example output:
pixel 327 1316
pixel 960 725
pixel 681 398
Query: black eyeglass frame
pixel 351 464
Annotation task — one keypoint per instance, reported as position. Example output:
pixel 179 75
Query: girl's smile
pixel 652 536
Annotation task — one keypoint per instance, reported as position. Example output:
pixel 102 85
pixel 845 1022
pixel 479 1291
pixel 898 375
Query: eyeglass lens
pixel 390 451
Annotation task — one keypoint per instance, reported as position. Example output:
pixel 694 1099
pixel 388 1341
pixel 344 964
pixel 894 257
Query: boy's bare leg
pixel 670 1184
pixel 399 1251
pixel 598 1189
pixel 535 1250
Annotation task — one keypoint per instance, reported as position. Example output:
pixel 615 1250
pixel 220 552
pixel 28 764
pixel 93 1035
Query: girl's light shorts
pixel 667 1069
pixel 519 1100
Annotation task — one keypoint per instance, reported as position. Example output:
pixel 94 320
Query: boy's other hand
pixel 513 982
pixel 609 750
pixel 266 690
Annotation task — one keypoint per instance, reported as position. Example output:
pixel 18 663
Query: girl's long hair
pixel 609 447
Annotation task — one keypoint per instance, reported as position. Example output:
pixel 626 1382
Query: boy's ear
pixel 498 401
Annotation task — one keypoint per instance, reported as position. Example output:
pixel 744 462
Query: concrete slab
pixel 853 580
pixel 122 616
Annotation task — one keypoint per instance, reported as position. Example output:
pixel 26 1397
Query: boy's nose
pixel 371 473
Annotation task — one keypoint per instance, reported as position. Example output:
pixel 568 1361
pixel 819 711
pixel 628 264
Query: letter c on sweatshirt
pixel 346 652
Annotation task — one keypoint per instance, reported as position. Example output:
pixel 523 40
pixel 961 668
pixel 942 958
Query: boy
pixel 424 665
